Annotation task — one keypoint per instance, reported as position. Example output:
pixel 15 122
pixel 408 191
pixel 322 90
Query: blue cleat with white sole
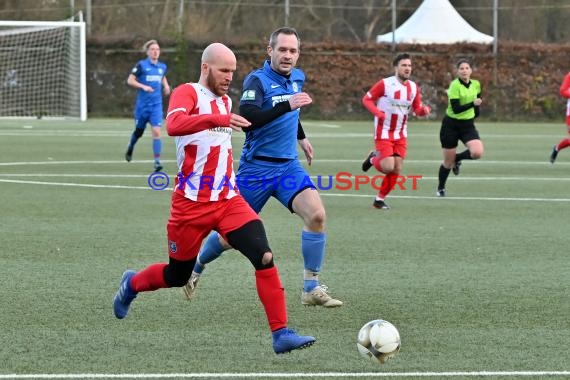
pixel 286 340
pixel 125 295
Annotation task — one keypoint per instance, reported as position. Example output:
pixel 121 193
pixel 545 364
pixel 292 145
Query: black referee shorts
pixel 453 130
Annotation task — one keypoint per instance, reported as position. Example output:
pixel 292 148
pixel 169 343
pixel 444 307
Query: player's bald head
pixel 218 67
pixel 217 53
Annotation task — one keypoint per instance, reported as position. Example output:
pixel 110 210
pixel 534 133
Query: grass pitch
pixel 477 283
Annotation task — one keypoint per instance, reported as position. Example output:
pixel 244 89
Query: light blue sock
pixel 313 249
pixel 157 149
pixel 210 251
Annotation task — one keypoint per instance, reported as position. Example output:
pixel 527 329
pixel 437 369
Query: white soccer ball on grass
pixel 378 340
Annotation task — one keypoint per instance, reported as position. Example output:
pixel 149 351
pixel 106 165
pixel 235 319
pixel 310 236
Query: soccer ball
pixel 378 340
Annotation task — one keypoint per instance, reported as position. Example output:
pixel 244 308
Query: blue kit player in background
pixel 271 100
pixel 149 77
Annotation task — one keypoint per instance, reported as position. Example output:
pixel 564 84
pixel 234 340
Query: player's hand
pixel 478 101
pixel 299 100
pixel 238 122
pixel 381 117
pixel 148 89
pixel 307 149
pixel 427 110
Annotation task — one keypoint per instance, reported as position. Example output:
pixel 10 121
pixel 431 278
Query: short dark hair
pixel 399 57
pixel 283 30
pixel 462 60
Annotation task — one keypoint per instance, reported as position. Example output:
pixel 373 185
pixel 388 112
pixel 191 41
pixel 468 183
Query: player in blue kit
pixel 271 100
pixel 149 77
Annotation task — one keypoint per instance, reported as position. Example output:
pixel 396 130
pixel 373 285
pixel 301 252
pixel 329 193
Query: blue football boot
pixel 125 295
pixel 286 340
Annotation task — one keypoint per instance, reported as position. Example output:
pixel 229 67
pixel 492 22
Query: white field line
pixel 447 198
pixel 316 161
pixel 328 135
pixel 322 192
pixel 323 182
pixel 50 162
pixel 59 134
pixel 284 375
pixel 70 175
pixel 68 184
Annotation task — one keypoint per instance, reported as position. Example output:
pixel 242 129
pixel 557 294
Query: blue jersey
pixel 265 88
pixel 149 74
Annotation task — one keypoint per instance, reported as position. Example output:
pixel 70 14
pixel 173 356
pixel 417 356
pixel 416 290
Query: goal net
pixel 42 69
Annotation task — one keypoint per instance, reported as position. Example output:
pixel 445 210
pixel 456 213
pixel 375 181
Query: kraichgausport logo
pixel 342 181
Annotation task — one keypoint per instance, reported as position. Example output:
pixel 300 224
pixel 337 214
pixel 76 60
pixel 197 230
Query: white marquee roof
pixel 436 22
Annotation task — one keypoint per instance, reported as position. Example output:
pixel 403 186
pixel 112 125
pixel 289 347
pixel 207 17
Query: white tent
pixel 435 22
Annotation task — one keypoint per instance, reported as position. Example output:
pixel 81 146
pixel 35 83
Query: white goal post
pixel 43 69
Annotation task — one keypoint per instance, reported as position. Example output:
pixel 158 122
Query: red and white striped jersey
pixel 394 99
pixel 200 121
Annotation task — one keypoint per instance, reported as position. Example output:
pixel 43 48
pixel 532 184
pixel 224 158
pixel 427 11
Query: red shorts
pixel 389 148
pixel 190 222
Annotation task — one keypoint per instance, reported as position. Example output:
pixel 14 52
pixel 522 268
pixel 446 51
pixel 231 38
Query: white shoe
pixel 319 297
pixel 190 288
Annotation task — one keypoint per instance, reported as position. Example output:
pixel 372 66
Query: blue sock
pixel 313 249
pixel 210 251
pixel 157 148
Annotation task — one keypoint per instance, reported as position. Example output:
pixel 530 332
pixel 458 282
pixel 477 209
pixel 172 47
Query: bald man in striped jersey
pixel 200 118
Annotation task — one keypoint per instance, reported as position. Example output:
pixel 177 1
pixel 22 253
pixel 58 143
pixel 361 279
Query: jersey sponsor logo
pixel 172 247
pixel 402 105
pixel 153 78
pixel 279 99
pixel 220 129
pixel 248 95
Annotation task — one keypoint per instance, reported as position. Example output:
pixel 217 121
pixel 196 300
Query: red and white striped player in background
pixel 390 101
pixel 564 143
pixel 205 198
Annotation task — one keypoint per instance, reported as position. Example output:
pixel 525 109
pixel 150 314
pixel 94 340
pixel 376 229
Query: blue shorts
pixel 152 115
pixel 258 180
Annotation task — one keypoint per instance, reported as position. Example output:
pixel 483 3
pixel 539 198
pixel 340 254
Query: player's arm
pixel 476 107
pixel 453 95
pixel 457 107
pixel 251 104
pixel 371 97
pixel 417 106
pixel 305 144
pixel 165 86
pixel 300 132
pixel 133 81
pixel 565 88
pixel 180 118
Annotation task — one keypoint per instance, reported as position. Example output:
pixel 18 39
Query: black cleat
pixel 380 205
pixel 366 164
pixel 157 166
pixel 456 167
pixel 553 155
pixel 129 154
pixel 440 193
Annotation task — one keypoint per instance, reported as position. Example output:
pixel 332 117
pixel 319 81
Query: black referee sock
pixel 443 174
pixel 465 155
